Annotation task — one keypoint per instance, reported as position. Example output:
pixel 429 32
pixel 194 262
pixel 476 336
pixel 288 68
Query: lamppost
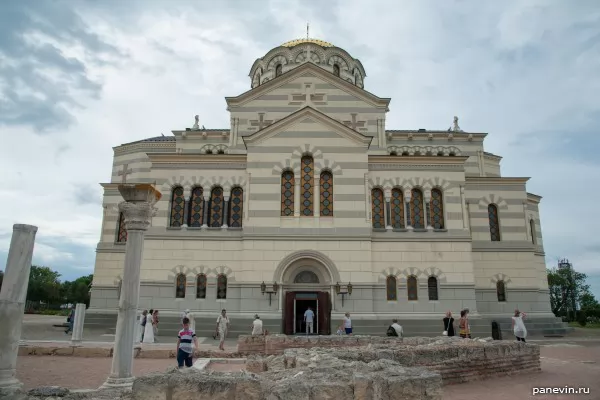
pixel 270 292
pixel 340 290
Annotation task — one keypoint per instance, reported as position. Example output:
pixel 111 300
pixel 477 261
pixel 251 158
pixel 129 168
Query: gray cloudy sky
pixel 79 77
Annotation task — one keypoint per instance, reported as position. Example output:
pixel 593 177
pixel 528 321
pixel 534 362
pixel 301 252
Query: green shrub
pixel 581 318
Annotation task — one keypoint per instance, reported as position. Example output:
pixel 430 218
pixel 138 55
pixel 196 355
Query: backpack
pixel 391 331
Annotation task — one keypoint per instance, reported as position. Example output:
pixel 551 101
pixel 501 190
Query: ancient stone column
pixel 138 209
pixel 77 335
pixel 12 304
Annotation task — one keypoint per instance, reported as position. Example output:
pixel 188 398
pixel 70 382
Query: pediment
pixel 307 115
pixel 309 70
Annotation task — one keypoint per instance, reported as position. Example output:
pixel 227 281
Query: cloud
pixel 77 79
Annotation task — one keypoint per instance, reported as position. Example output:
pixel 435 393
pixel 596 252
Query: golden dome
pixel 296 42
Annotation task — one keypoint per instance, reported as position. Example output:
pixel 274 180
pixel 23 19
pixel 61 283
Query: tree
pixel 1 278
pixel 567 287
pixel 44 285
pixel 589 306
pixel 77 291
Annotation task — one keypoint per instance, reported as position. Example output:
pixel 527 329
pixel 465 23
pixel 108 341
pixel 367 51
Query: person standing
pixel 149 328
pixel 463 325
pixel 185 352
pixel 309 317
pixel 449 324
pixel 142 325
pixel 519 326
pixel 347 324
pixel 155 325
pixel 397 327
pixel 70 320
pixel 222 328
pixel 257 326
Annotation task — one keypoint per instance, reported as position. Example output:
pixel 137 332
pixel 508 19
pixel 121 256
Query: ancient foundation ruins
pixel 328 367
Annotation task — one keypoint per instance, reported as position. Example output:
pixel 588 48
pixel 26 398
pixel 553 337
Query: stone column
pixel 137 220
pixel 77 335
pixel 407 197
pixel 317 196
pixel 12 304
pixel 428 216
pixel 297 179
pixel 388 210
pixel 225 212
pixel 205 211
pixel 187 196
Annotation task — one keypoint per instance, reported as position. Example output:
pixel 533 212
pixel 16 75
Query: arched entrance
pixel 307 278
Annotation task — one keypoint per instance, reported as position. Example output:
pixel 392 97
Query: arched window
pixel 377 205
pixel 177 206
pixel 180 286
pixel 196 210
pixel 397 209
pixel 326 185
pixel 278 70
pixel 336 70
pixel 287 194
pixel 221 287
pixel 432 288
pixel 417 218
pixel 121 231
pixel 306 191
pixel 436 208
pixel 391 288
pixel 501 290
pixel 533 232
pixel 215 211
pixel 412 288
pixel 201 286
pixel 494 223
pixel 236 206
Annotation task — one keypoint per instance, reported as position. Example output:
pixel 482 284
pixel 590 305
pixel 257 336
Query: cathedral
pixel 308 199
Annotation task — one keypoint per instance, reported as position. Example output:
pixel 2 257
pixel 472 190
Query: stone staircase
pixel 205 326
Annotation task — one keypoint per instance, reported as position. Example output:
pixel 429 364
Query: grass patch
pixel 589 325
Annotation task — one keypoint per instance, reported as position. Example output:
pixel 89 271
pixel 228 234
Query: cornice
pixel 424 160
pixel 434 134
pixel 307 112
pixel 141 146
pixel 196 159
pixel 533 198
pixel 204 134
pixel 495 180
pixel 318 72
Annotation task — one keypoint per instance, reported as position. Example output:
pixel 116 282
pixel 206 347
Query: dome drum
pixel 296 52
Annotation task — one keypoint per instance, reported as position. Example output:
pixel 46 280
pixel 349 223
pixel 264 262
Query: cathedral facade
pixel 308 199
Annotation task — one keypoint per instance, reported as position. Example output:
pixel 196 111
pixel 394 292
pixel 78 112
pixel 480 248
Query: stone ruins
pixel 332 367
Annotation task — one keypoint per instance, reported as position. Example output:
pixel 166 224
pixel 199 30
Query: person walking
pixel 448 324
pixel 519 326
pixel 309 317
pixel 70 320
pixel 142 326
pixel 185 351
pixel 347 324
pixel 222 328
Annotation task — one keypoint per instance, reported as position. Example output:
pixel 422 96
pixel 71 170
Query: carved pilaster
pixel 463 207
pixel 428 216
pixel 297 177
pixel 187 193
pixel 317 197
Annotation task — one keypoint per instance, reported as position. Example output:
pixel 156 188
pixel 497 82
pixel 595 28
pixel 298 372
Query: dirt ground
pixel 563 364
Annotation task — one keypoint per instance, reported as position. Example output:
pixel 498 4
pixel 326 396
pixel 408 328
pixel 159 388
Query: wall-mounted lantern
pixel 273 290
pixel 343 291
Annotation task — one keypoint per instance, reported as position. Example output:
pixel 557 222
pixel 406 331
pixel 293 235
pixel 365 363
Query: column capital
pixel 427 195
pixel 387 193
pixel 137 215
pixel 407 194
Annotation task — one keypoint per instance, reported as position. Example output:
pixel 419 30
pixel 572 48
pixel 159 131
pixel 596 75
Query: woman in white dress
pixel 148 329
pixel 519 326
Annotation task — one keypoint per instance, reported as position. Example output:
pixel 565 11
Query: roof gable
pixel 309 69
pixel 307 113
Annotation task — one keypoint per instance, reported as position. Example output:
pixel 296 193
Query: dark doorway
pixel 296 303
pixel 301 307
